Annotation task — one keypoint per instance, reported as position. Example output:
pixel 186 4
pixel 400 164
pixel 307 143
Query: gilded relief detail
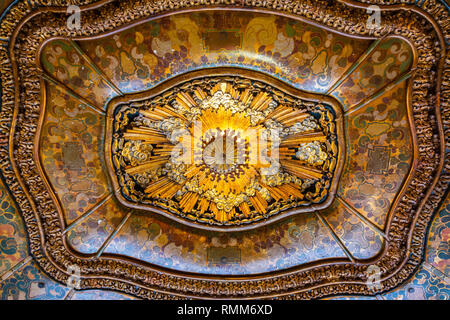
pixel 393 89
pixel 224 151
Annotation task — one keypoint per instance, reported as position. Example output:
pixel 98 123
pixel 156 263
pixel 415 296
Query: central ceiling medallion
pixel 224 152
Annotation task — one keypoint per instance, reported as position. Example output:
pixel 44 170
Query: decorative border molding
pixel 23 31
pixel 304 99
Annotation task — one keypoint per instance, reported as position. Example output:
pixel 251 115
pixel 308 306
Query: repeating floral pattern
pixel 13 242
pixel 143 56
pixel 71 150
pixel 391 58
pixel 379 148
pixel 438 246
pixel 425 285
pixel 306 56
pixel 61 60
pixel 299 240
pixel 29 283
pixel 89 235
pixel 360 240
pixel 138 58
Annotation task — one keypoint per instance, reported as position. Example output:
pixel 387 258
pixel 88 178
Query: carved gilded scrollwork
pixel 28 24
pixel 227 120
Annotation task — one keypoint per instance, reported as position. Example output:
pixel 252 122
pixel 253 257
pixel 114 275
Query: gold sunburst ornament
pixel 223 151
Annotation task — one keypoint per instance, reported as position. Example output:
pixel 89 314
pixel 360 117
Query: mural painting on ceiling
pixel 24 280
pixel 304 55
pixel 85 74
pixel 380 151
pixel 13 242
pixel 370 80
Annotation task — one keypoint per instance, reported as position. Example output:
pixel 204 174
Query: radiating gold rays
pixel 224 125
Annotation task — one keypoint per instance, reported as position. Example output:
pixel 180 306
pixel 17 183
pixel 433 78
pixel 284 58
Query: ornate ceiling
pixel 162 148
pixel 152 164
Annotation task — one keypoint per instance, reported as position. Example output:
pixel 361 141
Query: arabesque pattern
pixel 224 151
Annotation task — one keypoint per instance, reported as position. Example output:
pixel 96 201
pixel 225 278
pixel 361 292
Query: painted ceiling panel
pixel 70 152
pixel 30 283
pixel 380 151
pixel 89 234
pixel 101 295
pixel 25 280
pixel 361 241
pixel 13 242
pixel 302 54
pixel 383 63
pixel 176 41
pixel 72 70
pixel 96 123
pixel 438 241
pixel 299 240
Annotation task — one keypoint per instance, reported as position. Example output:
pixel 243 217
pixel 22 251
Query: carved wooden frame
pixel 23 31
pixel 231 72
